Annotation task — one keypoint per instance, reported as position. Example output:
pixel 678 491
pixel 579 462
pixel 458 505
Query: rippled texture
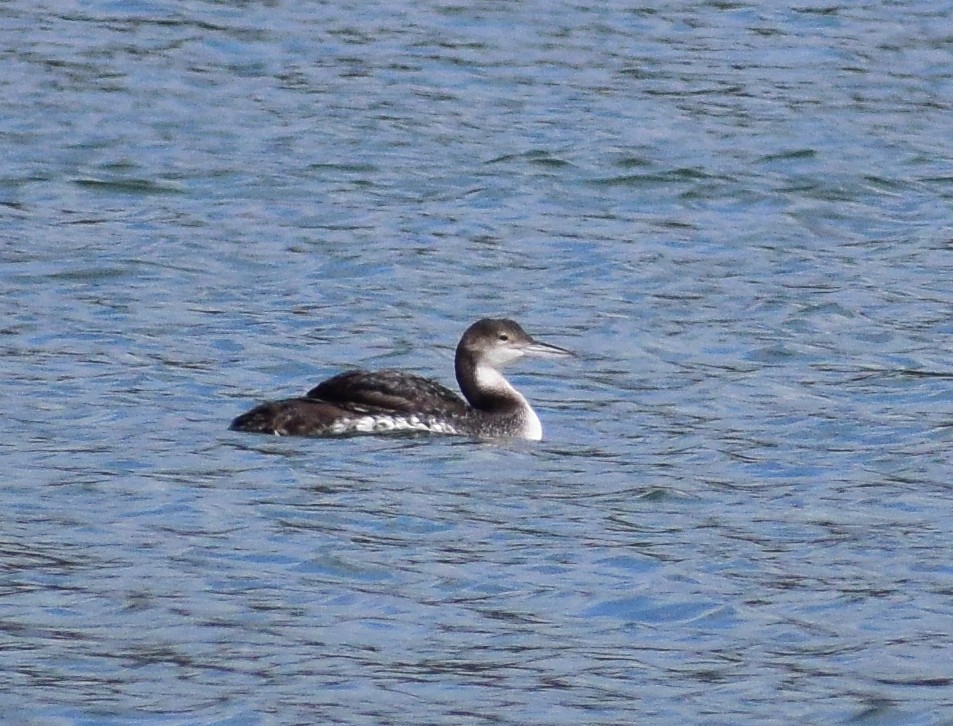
pixel 739 216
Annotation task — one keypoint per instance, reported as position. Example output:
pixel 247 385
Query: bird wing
pixel 388 391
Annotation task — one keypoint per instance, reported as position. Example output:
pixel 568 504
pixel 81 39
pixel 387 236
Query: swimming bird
pixel 376 402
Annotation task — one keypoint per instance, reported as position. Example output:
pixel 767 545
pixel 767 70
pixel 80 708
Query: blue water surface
pixel 738 214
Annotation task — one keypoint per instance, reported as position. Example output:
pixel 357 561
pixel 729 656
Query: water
pixel 738 215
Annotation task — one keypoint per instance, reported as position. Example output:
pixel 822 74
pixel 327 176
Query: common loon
pixel 385 401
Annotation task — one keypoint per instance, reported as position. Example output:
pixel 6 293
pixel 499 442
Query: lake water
pixel 739 215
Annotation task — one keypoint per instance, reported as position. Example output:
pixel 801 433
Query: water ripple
pixel 737 215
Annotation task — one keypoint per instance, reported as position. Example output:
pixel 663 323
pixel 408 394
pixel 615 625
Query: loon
pixel 385 401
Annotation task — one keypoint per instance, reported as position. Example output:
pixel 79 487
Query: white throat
pixel 488 378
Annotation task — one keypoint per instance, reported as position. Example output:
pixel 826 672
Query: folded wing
pixel 388 391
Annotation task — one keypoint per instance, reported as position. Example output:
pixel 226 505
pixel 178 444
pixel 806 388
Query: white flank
pixel 383 424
